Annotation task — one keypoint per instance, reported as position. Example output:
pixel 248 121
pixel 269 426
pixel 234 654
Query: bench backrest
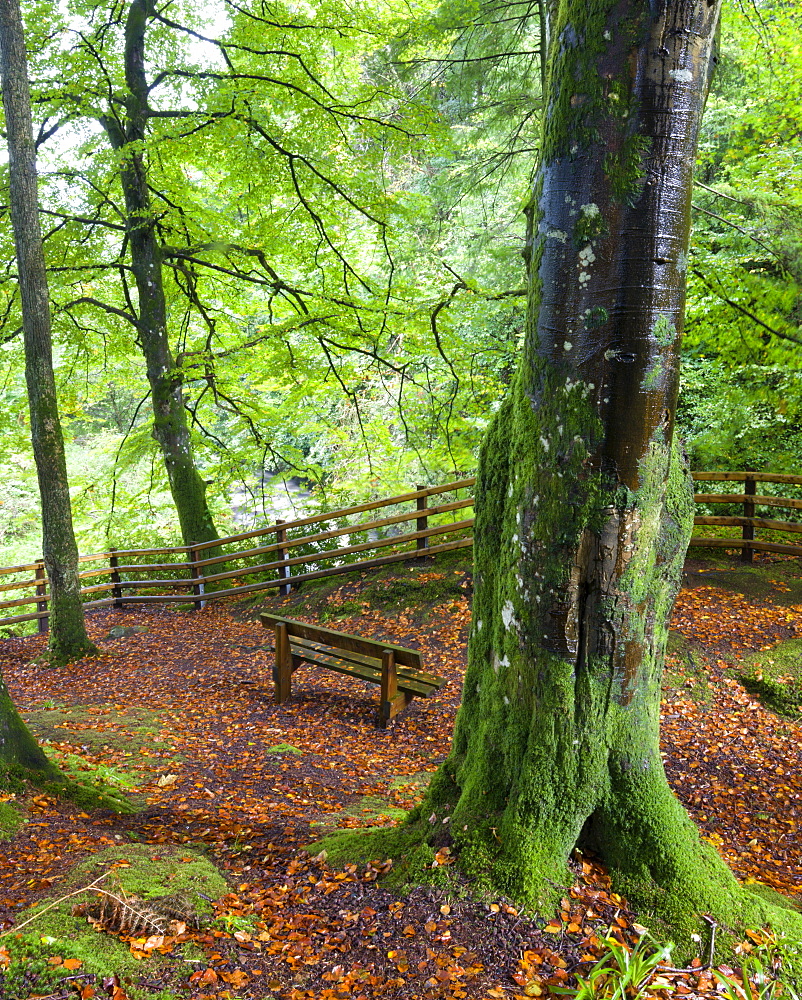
pixel 343 640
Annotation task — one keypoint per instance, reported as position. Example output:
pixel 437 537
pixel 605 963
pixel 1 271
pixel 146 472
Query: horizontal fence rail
pixel 424 522
pixel 287 553
pixel 746 519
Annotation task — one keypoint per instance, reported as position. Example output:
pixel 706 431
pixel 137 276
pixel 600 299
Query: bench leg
pixel 392 701
pixel 282 671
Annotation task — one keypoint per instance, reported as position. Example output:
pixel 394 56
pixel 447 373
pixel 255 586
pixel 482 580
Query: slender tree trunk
pixel 68 639
pixel 584 504
pixel 169 415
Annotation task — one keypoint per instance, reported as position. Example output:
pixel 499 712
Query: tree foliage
pixel 337 196
pixel 743 394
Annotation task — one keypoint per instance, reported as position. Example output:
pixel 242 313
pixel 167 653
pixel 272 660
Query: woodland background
pixel 343 186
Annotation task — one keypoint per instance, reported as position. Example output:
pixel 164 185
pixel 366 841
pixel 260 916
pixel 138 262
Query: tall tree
pixel 206 279
pixel 68 639
pixel 126 128
pixel 584 503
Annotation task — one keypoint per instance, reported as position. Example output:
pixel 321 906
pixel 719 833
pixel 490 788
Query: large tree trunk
pixel 68 639
pixel 584 504
pixel 20 754
pixel 169 415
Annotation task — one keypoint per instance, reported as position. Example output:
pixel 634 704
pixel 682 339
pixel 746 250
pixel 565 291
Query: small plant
pixel 233 923
pixel 762 971
pixel 283 748
pixel 98 774
pixel 756 983
pixel 622 973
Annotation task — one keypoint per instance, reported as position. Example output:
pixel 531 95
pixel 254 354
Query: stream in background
pixel 288 499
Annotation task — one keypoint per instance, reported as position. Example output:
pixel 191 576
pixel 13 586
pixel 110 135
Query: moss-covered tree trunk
pixel 68 639
pixel 584 503
pixel 20 754
pixel 126 134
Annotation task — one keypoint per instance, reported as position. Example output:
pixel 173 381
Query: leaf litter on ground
pixel 252 783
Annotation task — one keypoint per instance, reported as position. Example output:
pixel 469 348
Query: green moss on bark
pixel 584 507
pixel 19 751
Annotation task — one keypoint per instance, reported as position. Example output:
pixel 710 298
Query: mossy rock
pixel 143 871
pixel 123 631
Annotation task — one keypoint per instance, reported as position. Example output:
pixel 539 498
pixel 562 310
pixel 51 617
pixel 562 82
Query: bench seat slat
pixel 344 640
pixel 370 661
pixel 363 672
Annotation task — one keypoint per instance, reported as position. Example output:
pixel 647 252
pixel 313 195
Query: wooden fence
pixel 749 500
pixel 299 550
pixel 289 553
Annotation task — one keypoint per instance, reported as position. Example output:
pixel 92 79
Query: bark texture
pixel 584 503
pixel 126 134
pixel 68 639
pixel 20 754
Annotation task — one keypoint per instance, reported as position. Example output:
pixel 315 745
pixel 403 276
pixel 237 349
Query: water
pixel 288 499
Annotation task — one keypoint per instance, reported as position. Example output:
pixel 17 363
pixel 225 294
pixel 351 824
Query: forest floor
pixel 177 712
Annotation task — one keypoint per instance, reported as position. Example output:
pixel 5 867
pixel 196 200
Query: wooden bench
pixel 396 669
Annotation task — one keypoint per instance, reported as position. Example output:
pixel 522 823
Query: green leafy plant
pixel 765 972
pixel 756 983
pixel 233 922
pixel 622 973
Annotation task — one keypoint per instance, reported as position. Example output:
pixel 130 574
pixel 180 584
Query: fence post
pixel 422 524
pixel 748 533
pixel 281 554
pixel 197 574
pixel 42 623
pixel 114 576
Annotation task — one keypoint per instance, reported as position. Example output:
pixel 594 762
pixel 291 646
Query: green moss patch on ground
pixel 133 870
pixel 770 895
pixel 11 819
pixel 94 725
pixel 686 670
pixel 777 580
pixel 775 676
pixel 420 584
pixel 365 809
pixel 101 746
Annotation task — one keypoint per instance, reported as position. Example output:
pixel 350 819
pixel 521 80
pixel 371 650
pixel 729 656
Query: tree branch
pixel 744 311
pixel 113 310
